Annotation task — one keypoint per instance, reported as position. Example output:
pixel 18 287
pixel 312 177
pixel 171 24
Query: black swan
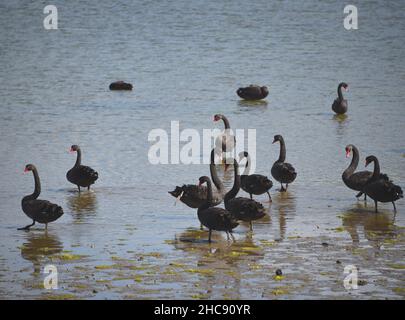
pixel 379 187
pixel 120 85
pixel 241 208
pixel 215 218
pixel 256 184
pixel 194 196
pixel 253 92
pixel 41 211
pixel 355 181
pixel 225 141
pixel 340 104
pixel 282 171
pixel 80 175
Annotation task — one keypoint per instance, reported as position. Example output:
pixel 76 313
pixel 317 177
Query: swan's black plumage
pixel 340 104
pixel 214 218
pixel 379 187
pixel 195 196
pixel 82 176
pixel 253 92
pixel 282 171
pixel 41 211
pixel 256 184
pixel 241 208
pixel 355 180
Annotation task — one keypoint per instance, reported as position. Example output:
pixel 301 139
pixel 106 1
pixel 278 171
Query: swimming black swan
pixel 253 92
pixel 82 176
pixel 226 140
pixel 241 208
pixel 41 211
pixel 194 196
pixel 256 184
pixel 355 181
pixel 380 188
pixel 340 104
pixel 282 171
pixel 215 218
pixel 120 85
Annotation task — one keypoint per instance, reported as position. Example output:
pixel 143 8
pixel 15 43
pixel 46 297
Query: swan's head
pixel 370 159
pixel 344 85
pixel 277 137
pixel 217 117
pixel 203 180
pixel 74 148
pixel 29 167
pixel 348 149
pixel 242 155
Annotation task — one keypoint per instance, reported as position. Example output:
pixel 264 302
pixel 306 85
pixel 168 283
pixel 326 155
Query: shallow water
pixel 125 238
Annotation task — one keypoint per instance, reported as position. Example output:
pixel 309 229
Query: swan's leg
pixel 270 200
pixel 209 236
pixel 88 188
pixel 78 188
pixel 395 208
pixel 227 235
pixel 250 226
pixel 375 203
pixel 201 226
pixel 365 197
pixel 359 194
pixel 251 196
pixel 233 238
pixel 282 188
pixel 27 227
pixel 46 226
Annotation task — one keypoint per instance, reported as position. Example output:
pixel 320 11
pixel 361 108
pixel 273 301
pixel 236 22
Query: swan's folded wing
pixel 88 172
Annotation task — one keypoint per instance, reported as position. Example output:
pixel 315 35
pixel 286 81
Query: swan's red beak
pixel 366 163
pixel 347 153
pixel 70 150
pixel 274 141
pixel 25 170
pixel 199 183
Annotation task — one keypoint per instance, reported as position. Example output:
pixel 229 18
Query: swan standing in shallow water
pixel 215 218
pixel 340 104
pixel 379 187
pixel 196 195
pixel 282 171
pixel 355 181
pixel 256 184
pixel 241 208
pixel 80 175
pixel 41 211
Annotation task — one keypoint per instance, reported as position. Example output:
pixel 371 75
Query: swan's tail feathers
pixel 51 212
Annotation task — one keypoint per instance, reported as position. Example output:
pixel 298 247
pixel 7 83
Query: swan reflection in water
pixel 376 228
pixel 284 208
pixel 82 204
pixel 39 247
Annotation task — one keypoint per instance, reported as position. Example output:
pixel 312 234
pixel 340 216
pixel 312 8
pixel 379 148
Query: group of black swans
pixel 205 198
pixel 43 211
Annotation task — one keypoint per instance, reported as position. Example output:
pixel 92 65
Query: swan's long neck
pixel 226 122
pixel 79 158
pixel 376 172
pixel 236 184
pixel 339 91
pixel 214 175
pixel 281 157
pixel 353 164
pixel 37 189
pixel 246 171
